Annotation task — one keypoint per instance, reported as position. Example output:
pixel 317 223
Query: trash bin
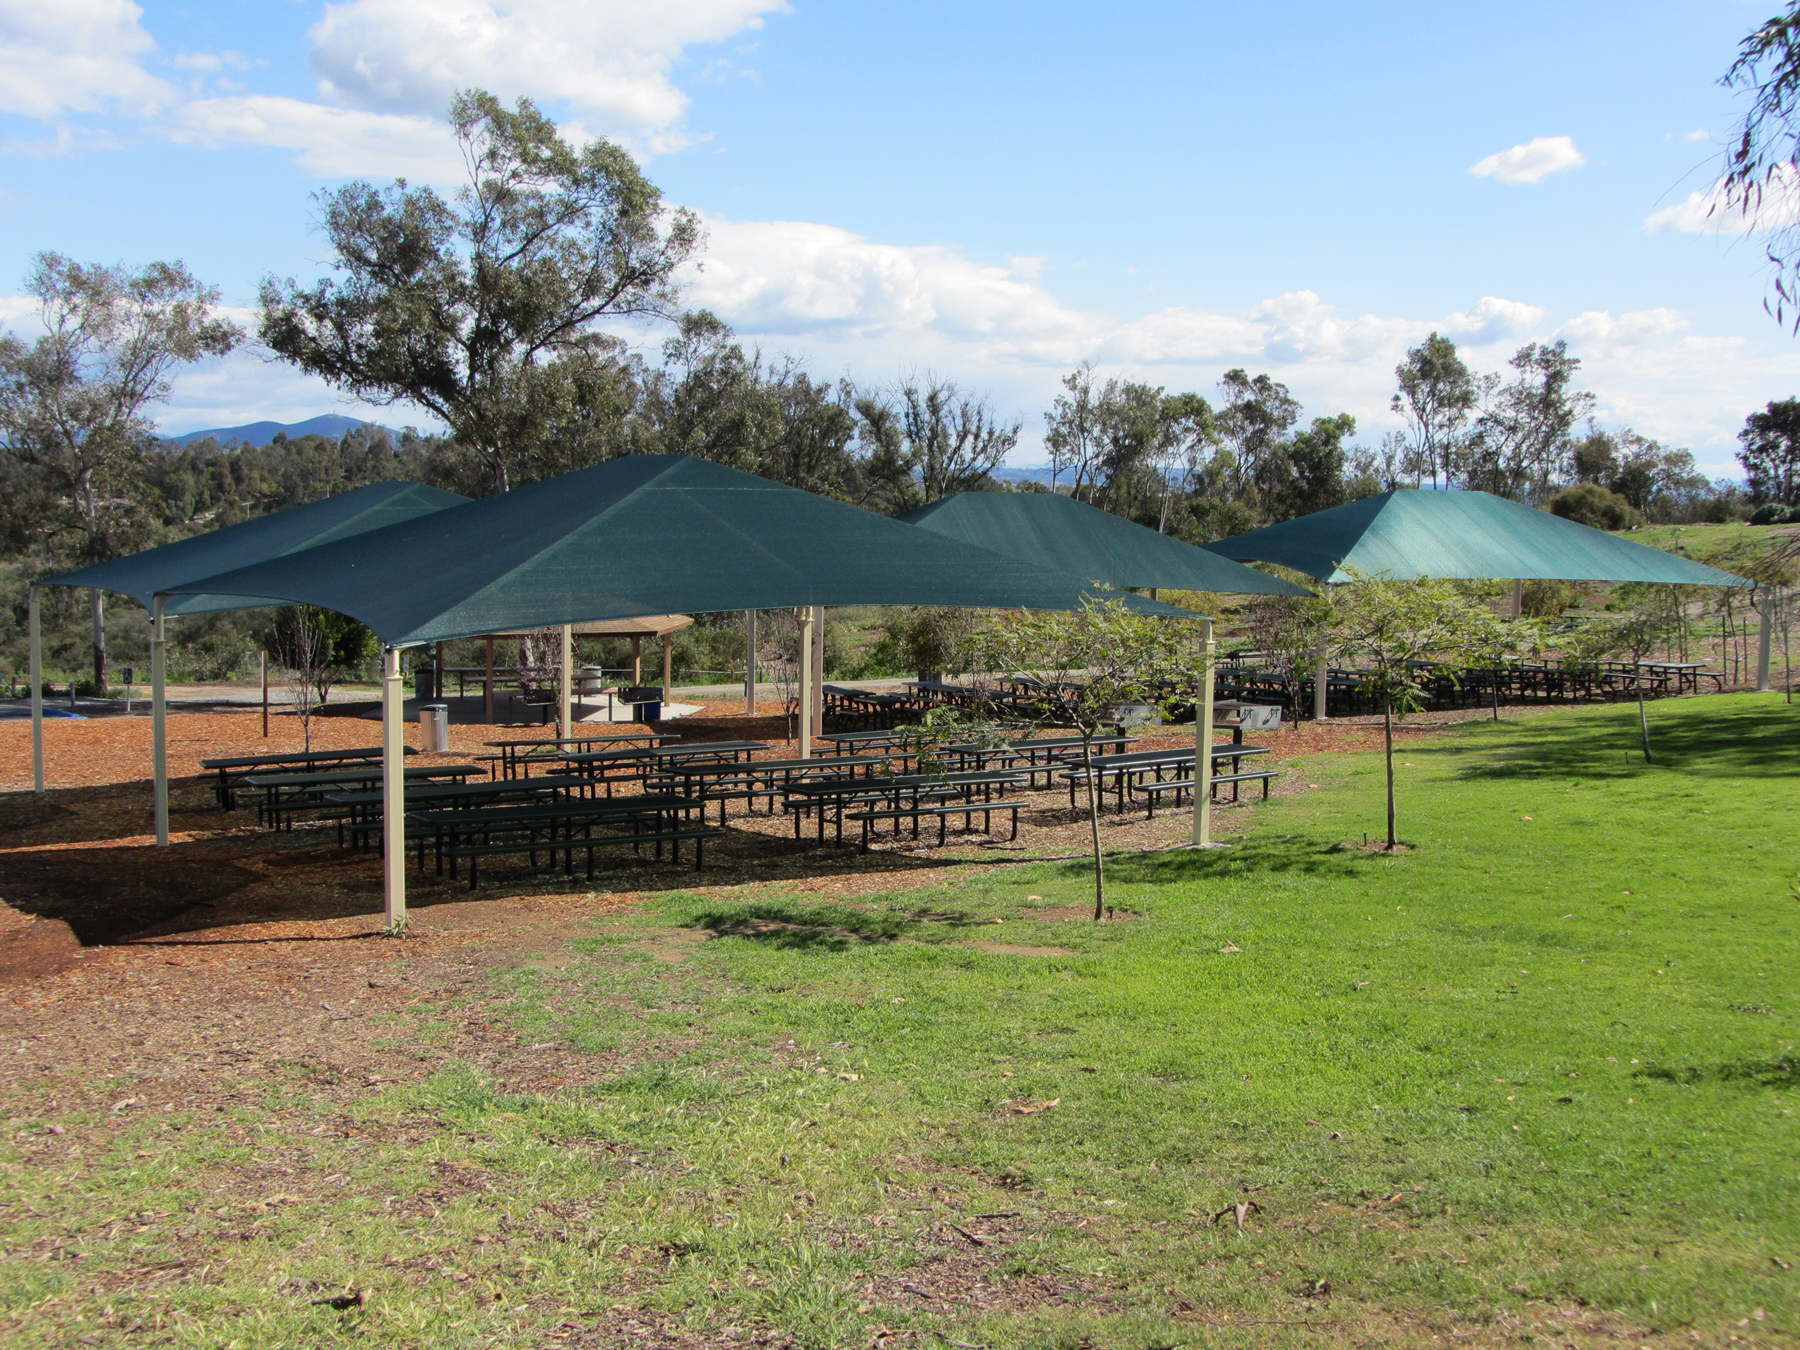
pixel 592 680
pixel 646 702
pixel 434 727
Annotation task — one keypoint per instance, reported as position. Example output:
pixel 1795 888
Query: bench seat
pixel 943 812
pixel 588 843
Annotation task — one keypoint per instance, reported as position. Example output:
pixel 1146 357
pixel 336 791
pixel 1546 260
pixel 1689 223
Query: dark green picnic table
pixel 284 793
pixel 294 759
pixel 363 809
pixel 836 793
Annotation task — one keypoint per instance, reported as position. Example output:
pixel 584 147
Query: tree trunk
pixel 1087 762
pixel 1643 718
pixel 1495 682
pixel 99 643
pixel 1387 732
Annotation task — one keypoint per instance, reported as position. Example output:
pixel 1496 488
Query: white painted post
pixel 818 669
pixel 1518 598
pixel 806 680
pixel 36 668
pixel 668 662
pixel 565 714
pixel 1765 635
pixel 393 791
pixel 263 665
pixel 1321 687
pixel 159 738
pixel 750 663
pixel 487 687
pixel 1203 719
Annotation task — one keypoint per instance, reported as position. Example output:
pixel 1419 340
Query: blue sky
pixel 994 192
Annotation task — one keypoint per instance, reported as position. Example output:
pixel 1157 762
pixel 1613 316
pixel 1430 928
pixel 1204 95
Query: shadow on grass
pixel 1780 1072
pixel 1695 736
pixel 796 927
pixel 1261 856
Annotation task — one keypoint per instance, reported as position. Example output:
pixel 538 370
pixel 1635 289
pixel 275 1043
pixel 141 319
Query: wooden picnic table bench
pixel 639 762
pixel 241 765
pixel 968 810
pixel 723 781
pixel 286 793
pixel 834 794
pixel 517 757
pixel 1127 771
pixel 362 810
pixel 543 824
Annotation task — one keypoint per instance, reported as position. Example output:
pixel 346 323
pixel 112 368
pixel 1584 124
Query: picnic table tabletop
pixel 754 767
pixel 567 808
pixel 370 773
pixel 495 787
pixel 1179 755
pixel 826 787
pixel 277 758
pixel 693 750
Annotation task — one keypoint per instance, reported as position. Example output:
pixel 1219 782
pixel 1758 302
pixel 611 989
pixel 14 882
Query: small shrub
pixel 1591 504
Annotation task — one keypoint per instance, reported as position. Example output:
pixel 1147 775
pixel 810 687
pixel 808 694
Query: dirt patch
pixel 1076 914
pixel 36 948
pixel 1011 949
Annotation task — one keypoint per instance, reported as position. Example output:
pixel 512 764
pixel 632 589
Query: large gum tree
pixel 487 310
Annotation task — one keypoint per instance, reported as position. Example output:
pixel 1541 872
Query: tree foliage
pixel 1763 158
pixel 487 310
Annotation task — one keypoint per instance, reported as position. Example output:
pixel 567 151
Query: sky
pixel 991 192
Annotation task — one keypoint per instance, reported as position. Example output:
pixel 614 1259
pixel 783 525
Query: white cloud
pixel 332 142
pixel 1709 212
pixel 60 56
pixel 608 59
pixel 1531 162
pixel 851 304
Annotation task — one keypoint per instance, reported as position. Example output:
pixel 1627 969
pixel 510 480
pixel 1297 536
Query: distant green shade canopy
pixel 143 575
pixel 648 534
pixel 1467 535
pixel 1050 530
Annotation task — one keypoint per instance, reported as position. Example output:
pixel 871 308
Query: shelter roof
pixel 1471 535
pixel 143 575
pixel 1048 529
pixel 646 534
pixel 645 625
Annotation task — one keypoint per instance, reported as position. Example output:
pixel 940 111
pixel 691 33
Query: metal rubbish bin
pixel 434 727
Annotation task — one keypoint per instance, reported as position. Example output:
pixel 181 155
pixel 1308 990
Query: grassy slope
pixel 1533 1065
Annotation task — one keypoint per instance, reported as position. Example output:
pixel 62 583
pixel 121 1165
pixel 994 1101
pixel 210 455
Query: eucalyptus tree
pixel 926 439
pixel 1762 163
pixel 74 401
pixel 488 310
pixel 1253 418
pixel 1438 395
pixel 1523 439
pixel 1771 452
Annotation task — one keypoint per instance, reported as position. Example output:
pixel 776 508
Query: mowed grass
pixel 1532 1080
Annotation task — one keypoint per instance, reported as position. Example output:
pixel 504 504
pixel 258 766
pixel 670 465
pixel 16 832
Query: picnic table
pixel 865 706
pixel 362 810
pixel 721 780
pixel 1039 754
pixel 286 793
pixel 639 762
pixel 545 827
pixel 1128 771
pixel 517 757
pixel 294 759
pixel 919 791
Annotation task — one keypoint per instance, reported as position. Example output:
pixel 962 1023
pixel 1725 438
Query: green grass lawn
pixel 1533 1080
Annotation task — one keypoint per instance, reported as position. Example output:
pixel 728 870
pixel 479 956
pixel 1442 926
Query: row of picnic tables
pixel 551 796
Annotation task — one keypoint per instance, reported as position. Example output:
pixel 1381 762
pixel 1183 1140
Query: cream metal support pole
pixel 263 666
pixel 565 704
pixel 1518 598
pixel 637 660
pixel 36 670
pixel 393 791
pixel 818 669
pixel 1765 634
pixel 750 663
pixel 159 718
pixel 1321 687
pixel 806 680
pixel 1203 719
pixel 668 662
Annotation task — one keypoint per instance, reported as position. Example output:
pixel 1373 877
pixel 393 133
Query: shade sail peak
pixel 647 534
pixel 1051 530
pixel 1463 534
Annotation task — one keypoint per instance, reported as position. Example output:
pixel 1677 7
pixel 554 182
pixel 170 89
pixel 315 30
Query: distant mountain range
pixel 261 433
pixel 1022 473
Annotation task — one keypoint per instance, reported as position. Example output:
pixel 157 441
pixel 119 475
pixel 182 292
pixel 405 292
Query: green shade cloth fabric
pixel 1466 535
pixel 647 534
pixel 143 575
pixel 1050 530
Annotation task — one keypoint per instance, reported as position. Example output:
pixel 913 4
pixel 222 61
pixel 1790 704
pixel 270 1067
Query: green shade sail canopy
pixel 1467 535
pixel 143 575
pixel 1050 530
pixel 647 534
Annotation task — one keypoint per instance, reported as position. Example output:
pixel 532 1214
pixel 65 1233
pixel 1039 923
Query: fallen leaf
pixel 851 1077
pixel 1229 948
pixel 1242 1210
pixel 1021 1108
pixel 1524 817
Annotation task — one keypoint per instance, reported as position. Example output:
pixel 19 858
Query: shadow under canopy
pixel 144 576
pixel 647 534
